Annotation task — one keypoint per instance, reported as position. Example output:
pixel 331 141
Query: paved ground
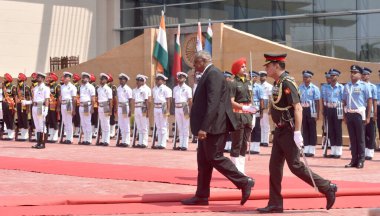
pixel 28 183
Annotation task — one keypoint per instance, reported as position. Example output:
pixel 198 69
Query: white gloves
pixel 26 102
pixel 45 112
pixel 250 109
pixel 298 139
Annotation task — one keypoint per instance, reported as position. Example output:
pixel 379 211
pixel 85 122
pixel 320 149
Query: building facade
pixel 338 28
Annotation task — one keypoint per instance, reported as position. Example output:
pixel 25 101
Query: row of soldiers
pixel 87 109
pixel 335 102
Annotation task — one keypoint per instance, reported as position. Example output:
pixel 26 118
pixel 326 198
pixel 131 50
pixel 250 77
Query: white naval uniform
pixel 142 122
pixel 264 122
pixel 40 93
pixel 67 93
pixel 181 95
pixel 104 96
pixel 124 94
pixel 86 92
pixel 160 95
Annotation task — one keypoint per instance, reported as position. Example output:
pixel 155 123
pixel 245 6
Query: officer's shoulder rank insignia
pixel 287 90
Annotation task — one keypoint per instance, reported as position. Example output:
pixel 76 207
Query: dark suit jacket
pixel 212 108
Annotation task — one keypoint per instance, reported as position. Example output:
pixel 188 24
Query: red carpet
pixel 149 174
pixel 297 194
pixel 169 207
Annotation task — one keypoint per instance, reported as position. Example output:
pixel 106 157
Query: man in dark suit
pixel 211 118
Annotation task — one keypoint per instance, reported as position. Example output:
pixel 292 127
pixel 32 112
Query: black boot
pixel 38 135
pixel 41 142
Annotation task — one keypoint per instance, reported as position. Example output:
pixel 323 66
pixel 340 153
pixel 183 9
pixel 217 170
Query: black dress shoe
pixel 254 152
pixel 105 144
pixel 154 147
pixel 368 158
pixel 330 196
pixel 336 156
pixel 142 146
pixel 99 144
pixel 350 165
pixel 264 144
pixel 377 150
pixel 329 156
pixel 86 143
pixel 183 149
pixel 246 190
pixel 195 201
pixel 271 209
pixel 160 147
pixel 360 165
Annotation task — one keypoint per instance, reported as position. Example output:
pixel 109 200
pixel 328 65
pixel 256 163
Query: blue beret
pixel 334 72
pixel 227 74
pixel 254 74
pixel 307 73
pixel 356 68
pixel 367 70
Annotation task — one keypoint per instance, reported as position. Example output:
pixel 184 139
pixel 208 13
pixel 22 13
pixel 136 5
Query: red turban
pixel 92 78
pixel 110 79
pixel 8 77
pixel 21 77
pixel 53 77
pixel 76 77
pixel 236 66
pixel 34 76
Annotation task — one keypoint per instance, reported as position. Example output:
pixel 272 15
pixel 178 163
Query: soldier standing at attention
pixel 23 93
pixel 182 96
pixel 310 96
pixel 54 108
pixel 112 117
pixel 76 116
pixel 334 113
pixel 68 104
pixel 264 121
pixel 357 101
pixel 370 128
pixel 286 112
pixel 124 97
pixel 141 97
pixel 258 102
pixel 95 115
pixel 41 96
pixel 105 108
pixel 87 101
pixel 162 99
pixel 242 107
pixel 9 108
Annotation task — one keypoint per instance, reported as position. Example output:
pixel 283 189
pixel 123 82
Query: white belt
pixel 65 101
pixel 123 103
pixel 158 105
pixel 332 105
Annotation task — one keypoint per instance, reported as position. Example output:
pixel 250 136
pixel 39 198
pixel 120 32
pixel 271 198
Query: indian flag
pixel 208 42
pixel 177 61
pixel 160 51
pixel 199 38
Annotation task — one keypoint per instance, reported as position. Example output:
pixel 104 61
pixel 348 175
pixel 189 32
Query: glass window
pixel 336 27
pixel 345 49
pixel 298 7
pixel 368 25
pixel 262 29
pixel 299 29
pixel 321 6
pixel 306 46
pixel 259 8
pixel 369 50
pixel 368 4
